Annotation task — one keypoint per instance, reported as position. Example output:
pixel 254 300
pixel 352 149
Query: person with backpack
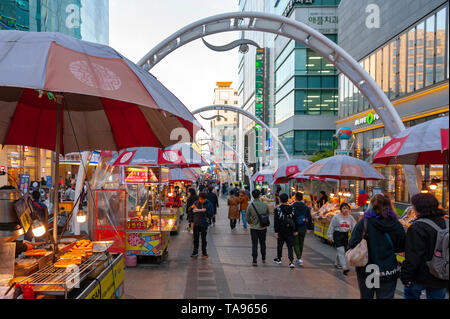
pixel 385 236
pixel 426 251
pixel 341 224
pixel 202 211
pixel 302 215
pixel 257 218
pixel 285 229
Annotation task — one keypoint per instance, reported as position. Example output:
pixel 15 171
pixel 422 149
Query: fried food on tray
pixel 36 252
pixel 67 263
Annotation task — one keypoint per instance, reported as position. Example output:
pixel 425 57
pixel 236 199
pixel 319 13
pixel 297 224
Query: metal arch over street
pixel 240 158
pixel 223 107
pixel 276 24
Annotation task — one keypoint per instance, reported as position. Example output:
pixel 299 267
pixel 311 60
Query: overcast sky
pixel 191 72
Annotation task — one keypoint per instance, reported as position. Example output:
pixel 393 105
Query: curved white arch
pixel 240 158
pixel 276 24
pixel 223 107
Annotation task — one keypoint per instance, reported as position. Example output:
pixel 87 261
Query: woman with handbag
pixel 385 236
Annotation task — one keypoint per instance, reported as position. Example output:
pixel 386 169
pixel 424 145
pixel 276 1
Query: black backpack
pixel 287 219
pixel 264 220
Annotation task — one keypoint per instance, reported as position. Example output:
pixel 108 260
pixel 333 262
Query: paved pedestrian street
pixel 228 273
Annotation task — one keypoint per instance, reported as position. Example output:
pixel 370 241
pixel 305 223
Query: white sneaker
pixel 291 265
pixel 300 262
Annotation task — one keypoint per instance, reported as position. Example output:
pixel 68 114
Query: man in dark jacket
pixel 302 216
pixel 202 210
pixel 212 198
pixel 419 248
pixel 285 229
pixel 385 237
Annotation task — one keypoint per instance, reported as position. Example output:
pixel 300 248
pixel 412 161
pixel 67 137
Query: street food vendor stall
pixel 32 270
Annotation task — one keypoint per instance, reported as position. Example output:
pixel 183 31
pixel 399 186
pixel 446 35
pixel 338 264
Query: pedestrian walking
pixel 338 232
pixel 202 210
pixel 285 229
pixel 212 198
pixel 189 202
pixel 243 204
pixel 385 236
pixel 302 215
pixel 233 209
pixel 257 213
pixel 422 239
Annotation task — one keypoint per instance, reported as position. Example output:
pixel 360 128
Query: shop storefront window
pixel 385 72
pixel 393 78
pixel 411 62
pixel 441 39
pixel 402 66
pixel 420 36
pixel 429 51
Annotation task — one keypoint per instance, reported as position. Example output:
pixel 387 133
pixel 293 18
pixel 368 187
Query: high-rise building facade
pixel 407 55
pixel 224 127
pixel 82 19
pixel 300 88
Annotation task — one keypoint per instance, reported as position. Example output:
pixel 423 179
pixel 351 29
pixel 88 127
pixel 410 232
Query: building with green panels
pixel 81 19
pixel 299 93
pixel 305 84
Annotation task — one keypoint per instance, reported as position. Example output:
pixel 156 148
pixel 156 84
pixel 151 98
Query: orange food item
pixel 36 252
pixel 66 263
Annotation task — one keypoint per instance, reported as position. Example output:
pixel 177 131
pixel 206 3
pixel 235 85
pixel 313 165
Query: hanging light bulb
pixel 81 217
pixel 434 182
pixel 38 228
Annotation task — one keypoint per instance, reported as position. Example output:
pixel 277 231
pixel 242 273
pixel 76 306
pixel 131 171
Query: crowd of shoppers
pixel 424 244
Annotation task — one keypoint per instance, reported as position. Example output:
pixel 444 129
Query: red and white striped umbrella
pixel 108 102
pixel 290 168
pixel 425 143
pixel 343 167
pixel 265 175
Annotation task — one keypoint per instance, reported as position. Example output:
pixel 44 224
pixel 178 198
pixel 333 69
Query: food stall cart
pixel 79 268
pixel 133 215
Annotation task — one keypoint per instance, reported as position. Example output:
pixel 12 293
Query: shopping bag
pixel 359 256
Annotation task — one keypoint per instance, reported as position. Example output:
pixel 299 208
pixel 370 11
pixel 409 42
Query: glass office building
pixel 300 87
pixel 82 19
pixel 411 66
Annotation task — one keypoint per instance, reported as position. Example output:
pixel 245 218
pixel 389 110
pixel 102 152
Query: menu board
pixel 138 175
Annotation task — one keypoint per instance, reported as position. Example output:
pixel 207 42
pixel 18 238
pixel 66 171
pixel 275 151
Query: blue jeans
pixel 415 290
pixel 244 221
